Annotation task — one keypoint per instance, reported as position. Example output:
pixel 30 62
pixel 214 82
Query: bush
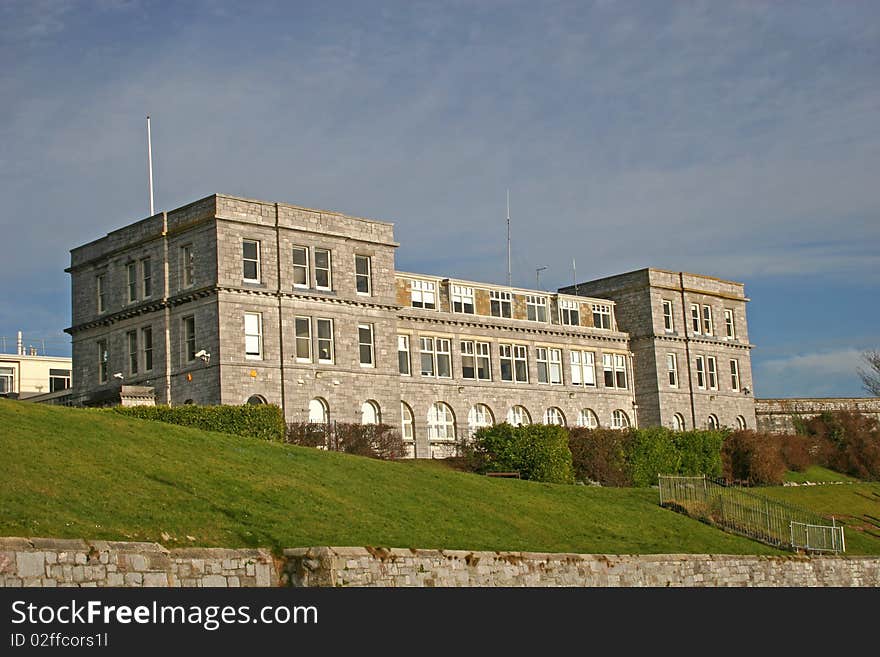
pixel 846 442
pixel 378 441
pixel 652 451
pixel 753 457
pixel 538 452
pixel 699 452
pixel 797 452
pixel 264 421
pixel 600 455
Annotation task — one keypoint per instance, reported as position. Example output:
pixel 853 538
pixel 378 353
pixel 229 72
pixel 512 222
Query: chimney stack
pixel 19 346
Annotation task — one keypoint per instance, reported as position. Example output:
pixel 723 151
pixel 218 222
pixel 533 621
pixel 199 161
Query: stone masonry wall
pixel 48 562
pixel 395 567
pixel 775 415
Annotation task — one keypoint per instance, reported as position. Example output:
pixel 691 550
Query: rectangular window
pixel 100 285
pixel 583 370
pixel 500 303
pixel 536 308
pixel 701 372
pixel 695 318
pixel 147 277
pixel 620 370
pixel 7 380
pixel 543 364
pixel 189 338
pixel 549 365
pixel 555 366
pixel 323 273
pixel 250 260
pixel 58 380
pixel 668 324
pixel 403 362
pixel 475 361
pixel 132 338
pixel 444 358
pixel 729 329
pixel 300 266
pixel 325 340
pixel 426 349
pixel 707 320
pixel 734 374
pixel 253 336
pixel 423 294
pixel 365 345
pixel 462 299
pixel 302 329
pixel 608 369
pixel 520 363
pixel 712 369
pixel 103 361
pixel 601 316
pixel 672 370
pixel 362 273
pixel 131 271
pixel 147 346
pixel 505 357
pixel 569 312
pixel 187 266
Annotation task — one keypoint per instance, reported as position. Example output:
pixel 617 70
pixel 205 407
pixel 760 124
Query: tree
pixel 871 374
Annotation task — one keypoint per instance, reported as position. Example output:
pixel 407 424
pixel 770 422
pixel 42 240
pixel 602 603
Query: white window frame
pixel 554 415
pixel 249 337
pixel 741 423
pixel 678 422
pixel 619 419
pixel 132 278
pixel 101 292
pixel 403 348
pixel 131 339
pixel 318 339
pixel 587 418
pixel 505 355
pixel 441 422
pixel 518 415
pixel 700 371
pixel 369 344
pixel 103 361
pixel 734 374
pixel 7 375
pixel 304 268
pixel 189 341
pixel 59 379
pixel 542 359
pixel 620 371
pixel 708 324
pixel 147 277
pixel 729 324
pixel 520 357
pixel 672 370
pixel 551 359
pixel 443 355
pixel 245 260
pixel 320 405
pixel 537 308
pixel 500 299
pixel 696 319
pixel 569 312
pixel 603 312
pixel 712 372
pixel 463 298
pixel 328 269
pixel 147 347
pixel 426 349
pixel 407 422
pixel 359 276
pixel 712 422
pixel 479 416
pixel 374 410
pixel 668 318
pixel 583 368
pixel 304 339
pixel 423 294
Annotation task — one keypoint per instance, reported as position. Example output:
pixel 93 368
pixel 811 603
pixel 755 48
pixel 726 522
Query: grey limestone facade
pixel 230 300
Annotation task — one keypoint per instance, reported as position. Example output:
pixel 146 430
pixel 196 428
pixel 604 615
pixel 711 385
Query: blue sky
pixel 740 140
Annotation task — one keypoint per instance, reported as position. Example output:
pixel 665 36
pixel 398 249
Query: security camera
pixel 118 375
pixel 747 390
pixel 201 353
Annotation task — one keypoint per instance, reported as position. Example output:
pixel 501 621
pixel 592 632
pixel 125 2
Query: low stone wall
pixel 61 562
pixel 775 415
pixel 326 566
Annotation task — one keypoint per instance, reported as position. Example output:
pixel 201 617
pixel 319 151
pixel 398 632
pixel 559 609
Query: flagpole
pixel 150 163
pixel 508 239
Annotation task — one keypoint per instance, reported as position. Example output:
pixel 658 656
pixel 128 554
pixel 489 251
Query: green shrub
pixel 699 452
pixel 538 452
pixel 846 442
pixel 264 421
pixel 652 451
pixel 378 441
pixel 600 455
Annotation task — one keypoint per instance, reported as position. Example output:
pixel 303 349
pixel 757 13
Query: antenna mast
pixel 508 239
pixel 150 163
pixel 574 275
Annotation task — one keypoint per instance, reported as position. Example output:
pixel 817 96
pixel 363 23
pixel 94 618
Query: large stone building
pixel 229 300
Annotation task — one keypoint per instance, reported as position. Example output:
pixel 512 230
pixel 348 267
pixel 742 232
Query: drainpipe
pixel 166 307
pixel 280 317
pixel 687 350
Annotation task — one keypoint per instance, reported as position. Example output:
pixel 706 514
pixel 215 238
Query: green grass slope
pixel 91 474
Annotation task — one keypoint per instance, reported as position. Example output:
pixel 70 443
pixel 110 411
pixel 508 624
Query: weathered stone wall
pixel 395 567
pixel 48 562
pixel 775 415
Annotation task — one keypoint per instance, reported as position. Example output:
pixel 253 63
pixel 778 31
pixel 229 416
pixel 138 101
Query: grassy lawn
pixel 817 474
pixel 80 473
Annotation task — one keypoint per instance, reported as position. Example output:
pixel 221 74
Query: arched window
pixel 319 411
pixel 619 419
pixel 518 416
pixel 407 422
pixel 370 413
pixel 740 422
pixel 712 422
pixel 554 415
pixel 587 418
pixel 678 422
pixel 478 417
pixel 441 422
pixel 256 399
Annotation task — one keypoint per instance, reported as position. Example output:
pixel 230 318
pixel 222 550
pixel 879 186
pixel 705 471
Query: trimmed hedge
pixel 378 441
pixel 634 457
pixel 264 421
pixel 539 452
